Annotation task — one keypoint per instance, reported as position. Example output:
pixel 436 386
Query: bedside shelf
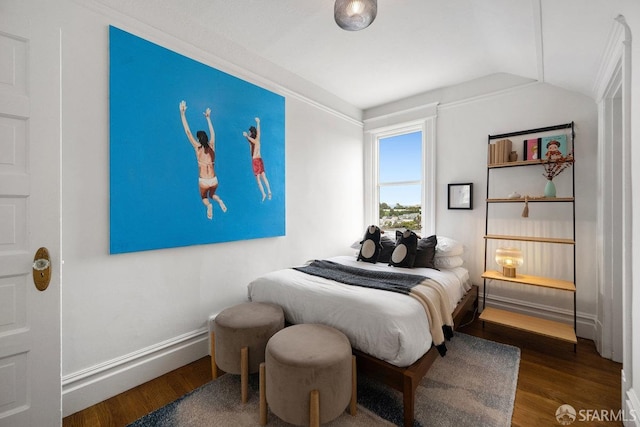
pixel 518 163
pixel 536 200
pixel 536 325
pixel 544 282
pixel 514 164
pixel 530 239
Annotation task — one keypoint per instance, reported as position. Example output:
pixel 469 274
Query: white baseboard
pixel 97 383
pixel 585 323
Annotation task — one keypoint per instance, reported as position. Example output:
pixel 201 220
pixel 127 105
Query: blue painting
pixel 197 156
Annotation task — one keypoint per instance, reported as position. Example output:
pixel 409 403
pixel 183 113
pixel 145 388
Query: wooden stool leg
pixel 244 372
pixel 263 395
pixel 354 387
pixel 214 368
pixel 314 408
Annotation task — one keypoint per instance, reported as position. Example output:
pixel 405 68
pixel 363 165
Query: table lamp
pixel 509 259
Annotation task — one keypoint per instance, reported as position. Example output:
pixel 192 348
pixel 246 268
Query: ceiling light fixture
pixel 355 15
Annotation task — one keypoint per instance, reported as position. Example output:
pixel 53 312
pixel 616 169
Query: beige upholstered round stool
pixel 309 375
pixel 240 335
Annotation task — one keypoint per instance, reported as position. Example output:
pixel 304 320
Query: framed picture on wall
pixel 460 196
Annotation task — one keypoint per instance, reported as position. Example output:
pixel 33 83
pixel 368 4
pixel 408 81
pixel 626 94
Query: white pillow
pixel 448 247
pixel 446 262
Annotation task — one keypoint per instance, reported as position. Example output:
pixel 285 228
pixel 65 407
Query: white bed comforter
pixel 389 326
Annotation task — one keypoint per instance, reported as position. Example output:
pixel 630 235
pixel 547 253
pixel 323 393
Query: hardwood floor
pixel 551 374
pixel 127 407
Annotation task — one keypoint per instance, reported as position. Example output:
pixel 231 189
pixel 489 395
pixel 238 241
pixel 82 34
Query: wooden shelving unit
pixel 539 199
pixel 531 239
pixel 553 329
pixel 517 162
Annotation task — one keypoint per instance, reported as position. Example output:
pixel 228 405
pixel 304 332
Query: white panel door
pixel 30 386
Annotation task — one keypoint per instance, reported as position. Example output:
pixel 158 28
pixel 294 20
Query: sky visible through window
pixel 401 161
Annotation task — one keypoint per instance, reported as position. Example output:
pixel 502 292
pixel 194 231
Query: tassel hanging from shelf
pixel 525 211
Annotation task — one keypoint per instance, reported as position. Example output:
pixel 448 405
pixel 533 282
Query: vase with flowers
pixel 552 168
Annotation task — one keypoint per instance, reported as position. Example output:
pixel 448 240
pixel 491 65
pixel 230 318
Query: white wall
pixel 131 317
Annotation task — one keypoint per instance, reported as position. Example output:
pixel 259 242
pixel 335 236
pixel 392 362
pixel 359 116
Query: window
pixel 400 182
pixel 400 178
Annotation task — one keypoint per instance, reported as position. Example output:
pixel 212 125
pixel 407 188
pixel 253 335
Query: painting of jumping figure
pixel 180 174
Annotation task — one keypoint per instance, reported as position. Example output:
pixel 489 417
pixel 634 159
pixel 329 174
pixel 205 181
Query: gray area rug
pixel 473 385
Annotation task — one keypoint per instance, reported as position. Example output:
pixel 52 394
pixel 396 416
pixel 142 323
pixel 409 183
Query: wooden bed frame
pixel 406 380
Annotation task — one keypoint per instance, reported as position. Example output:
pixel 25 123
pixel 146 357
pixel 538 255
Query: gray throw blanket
pixel 388 281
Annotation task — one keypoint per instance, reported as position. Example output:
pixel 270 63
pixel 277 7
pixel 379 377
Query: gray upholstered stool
pixel 309 375
pixel 240 335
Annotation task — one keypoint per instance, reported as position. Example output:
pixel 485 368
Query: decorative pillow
pixel 426 252
pixel 448 247
pixel 370 249
pixel 404 254
pixel 446 262
pixel 388 245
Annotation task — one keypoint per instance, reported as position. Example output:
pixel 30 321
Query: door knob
pixel 41 269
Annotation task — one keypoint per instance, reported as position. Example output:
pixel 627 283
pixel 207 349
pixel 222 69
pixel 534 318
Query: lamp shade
pixel 354 15
pixel 509 259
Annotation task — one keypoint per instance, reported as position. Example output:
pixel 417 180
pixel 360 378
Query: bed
pixel 389 331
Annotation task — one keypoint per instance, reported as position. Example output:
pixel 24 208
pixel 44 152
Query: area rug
pixel 473 385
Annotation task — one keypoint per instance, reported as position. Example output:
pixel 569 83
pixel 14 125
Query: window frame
pixel 428 176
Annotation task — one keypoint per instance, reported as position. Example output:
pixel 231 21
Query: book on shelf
pixel 499 151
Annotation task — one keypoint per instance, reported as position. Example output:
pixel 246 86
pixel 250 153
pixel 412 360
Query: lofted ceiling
pixel 413 46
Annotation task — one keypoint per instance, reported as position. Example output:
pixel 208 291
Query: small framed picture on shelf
pixel 532 149
pixel 460 196
pixel 554 147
